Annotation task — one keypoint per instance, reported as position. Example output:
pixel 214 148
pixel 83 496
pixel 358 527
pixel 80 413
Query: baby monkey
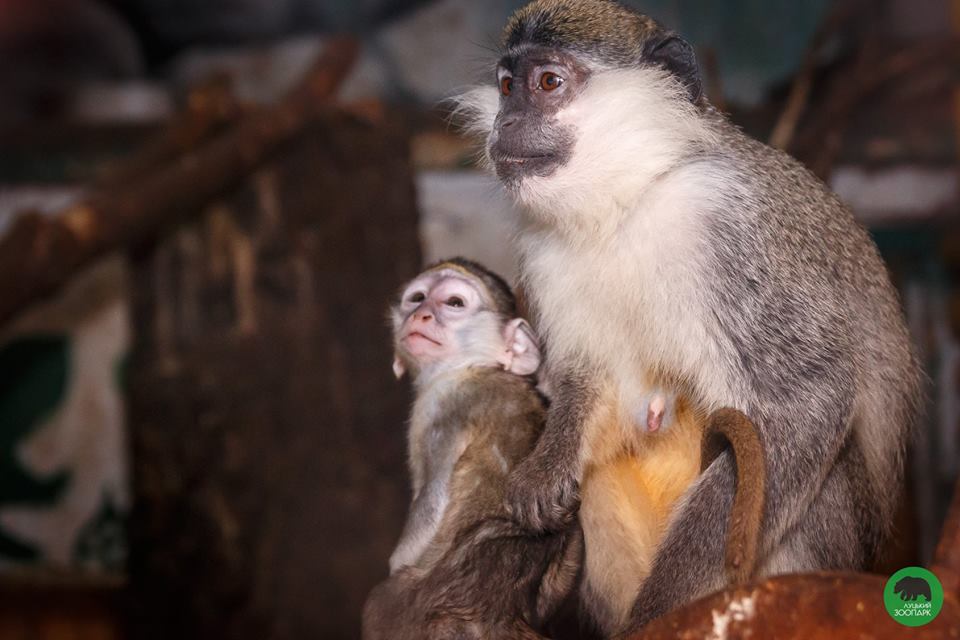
pixel 463 568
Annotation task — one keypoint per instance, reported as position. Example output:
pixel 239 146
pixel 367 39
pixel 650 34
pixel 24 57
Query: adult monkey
pixel 660 246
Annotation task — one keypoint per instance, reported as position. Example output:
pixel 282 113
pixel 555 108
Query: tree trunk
pixel 267 430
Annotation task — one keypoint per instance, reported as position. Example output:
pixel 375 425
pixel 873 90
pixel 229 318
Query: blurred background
pixel 205 207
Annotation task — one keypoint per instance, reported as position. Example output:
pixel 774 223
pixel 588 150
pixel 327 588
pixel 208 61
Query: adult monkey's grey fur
pixel 659 242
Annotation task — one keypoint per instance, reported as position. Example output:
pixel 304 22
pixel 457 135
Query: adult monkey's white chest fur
pixel 647 276
pixel 613 250
pixel 630 303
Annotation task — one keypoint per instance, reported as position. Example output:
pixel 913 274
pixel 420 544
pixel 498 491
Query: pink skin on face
pixel 440 309
pixel 436 304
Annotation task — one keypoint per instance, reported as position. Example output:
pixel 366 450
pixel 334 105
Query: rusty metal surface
pixel 947 560
pixel 817 605
pixel 800 607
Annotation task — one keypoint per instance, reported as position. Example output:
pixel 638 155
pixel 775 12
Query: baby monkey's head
pixel 459 314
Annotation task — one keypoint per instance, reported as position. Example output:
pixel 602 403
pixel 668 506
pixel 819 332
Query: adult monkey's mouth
pixel 523 159
pixel 511 167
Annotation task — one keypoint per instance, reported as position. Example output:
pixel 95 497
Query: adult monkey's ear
pixel 676 55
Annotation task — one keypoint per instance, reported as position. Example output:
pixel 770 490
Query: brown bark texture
pixel 267 429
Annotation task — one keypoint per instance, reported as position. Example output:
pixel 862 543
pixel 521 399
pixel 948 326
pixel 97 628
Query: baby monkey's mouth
pixel 417 334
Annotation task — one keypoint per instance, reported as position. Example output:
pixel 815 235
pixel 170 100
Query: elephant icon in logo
pixel 909 588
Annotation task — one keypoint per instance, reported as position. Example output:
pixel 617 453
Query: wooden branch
pixel 41 252
pixel 211 106
pixel 796 103
pixel 864 78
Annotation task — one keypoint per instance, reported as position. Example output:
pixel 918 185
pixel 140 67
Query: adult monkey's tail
pixel 743 532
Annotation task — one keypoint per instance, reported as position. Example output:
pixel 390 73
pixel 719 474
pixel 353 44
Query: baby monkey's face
pixel 437 308
pixel 446 319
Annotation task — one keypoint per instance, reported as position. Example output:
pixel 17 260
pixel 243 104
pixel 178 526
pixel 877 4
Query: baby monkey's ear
pixel 522 353
pixel 398 368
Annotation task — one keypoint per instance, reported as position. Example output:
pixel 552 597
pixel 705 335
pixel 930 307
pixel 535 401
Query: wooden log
pixel 39 253
pixel 268 432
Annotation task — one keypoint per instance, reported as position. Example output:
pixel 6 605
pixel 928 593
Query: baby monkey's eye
pixel 506 85
pixel 455 301
pixel 417 297
pixel 550 81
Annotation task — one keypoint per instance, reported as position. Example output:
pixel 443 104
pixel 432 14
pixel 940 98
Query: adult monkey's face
pixel 588 96
pixel 527 138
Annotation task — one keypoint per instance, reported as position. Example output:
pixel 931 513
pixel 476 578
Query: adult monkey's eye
pixel 416 297
pixel 506 85
pixel 455 301
pixel 550 81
